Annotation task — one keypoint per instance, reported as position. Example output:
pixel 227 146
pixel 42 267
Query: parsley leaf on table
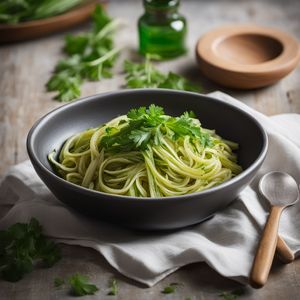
pixel 21 246
pixel 170 289
pixel 80 285
pixel 145 75
pixel 142 75
pixel 91 56
pixel 113 288
pixel 176 82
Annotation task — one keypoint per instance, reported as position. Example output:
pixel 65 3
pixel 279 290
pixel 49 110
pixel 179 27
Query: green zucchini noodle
pixel 164 165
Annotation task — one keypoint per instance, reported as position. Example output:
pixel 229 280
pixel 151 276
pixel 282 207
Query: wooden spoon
pixel 282 191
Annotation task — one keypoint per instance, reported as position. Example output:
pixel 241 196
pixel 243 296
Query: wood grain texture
pixel 25 68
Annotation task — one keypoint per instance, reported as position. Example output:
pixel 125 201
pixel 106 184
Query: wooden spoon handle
pixel 266 249
pixel 284 252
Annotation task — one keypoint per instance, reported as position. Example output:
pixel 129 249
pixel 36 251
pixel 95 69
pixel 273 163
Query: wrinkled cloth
pixel 227 242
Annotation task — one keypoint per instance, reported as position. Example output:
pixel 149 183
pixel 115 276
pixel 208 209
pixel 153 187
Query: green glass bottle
pixel 162 30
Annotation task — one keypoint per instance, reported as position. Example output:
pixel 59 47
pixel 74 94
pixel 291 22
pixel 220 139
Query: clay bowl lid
pixel 247 56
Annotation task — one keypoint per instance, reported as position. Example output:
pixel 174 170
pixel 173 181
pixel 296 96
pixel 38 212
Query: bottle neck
pixel 161 7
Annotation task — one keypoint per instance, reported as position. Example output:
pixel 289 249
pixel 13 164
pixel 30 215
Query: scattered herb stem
pixel 113 288
pixel 103 58
pixel 108 29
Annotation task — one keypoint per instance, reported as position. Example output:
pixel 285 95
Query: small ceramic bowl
pixel 247 56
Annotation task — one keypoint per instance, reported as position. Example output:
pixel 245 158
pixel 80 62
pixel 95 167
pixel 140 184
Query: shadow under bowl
pixel 52 130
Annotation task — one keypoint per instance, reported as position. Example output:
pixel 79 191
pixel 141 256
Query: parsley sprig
pixel 145 126
pixel 170 289
pixel 90 57
pixel 22 245
pixel 113 285
pixel 145 75
pixel 81 286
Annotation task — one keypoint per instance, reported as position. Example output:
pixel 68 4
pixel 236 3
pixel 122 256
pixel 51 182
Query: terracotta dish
pixel 247 56
pixel 37 28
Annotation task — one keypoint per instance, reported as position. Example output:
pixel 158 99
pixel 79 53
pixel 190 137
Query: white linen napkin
pixel 227 242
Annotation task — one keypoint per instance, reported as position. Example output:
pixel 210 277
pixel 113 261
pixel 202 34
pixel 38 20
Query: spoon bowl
pixel 279 188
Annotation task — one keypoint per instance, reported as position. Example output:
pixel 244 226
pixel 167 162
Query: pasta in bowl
pixel 147 153
pixel 165 173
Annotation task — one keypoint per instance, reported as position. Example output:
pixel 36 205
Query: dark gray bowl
pixel 51 131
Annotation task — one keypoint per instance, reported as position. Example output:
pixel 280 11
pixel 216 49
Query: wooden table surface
pixel 25 67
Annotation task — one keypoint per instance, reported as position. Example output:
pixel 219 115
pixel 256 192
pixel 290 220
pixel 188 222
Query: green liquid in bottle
pixel 162 30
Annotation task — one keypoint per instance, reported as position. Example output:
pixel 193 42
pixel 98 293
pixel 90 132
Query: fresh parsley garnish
pixel 58 282
pixel 145 75
pixel 146 125
pixel 113 285
pixel 91 56
pixel 80 285
pixel 170 289
pixel 22 245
